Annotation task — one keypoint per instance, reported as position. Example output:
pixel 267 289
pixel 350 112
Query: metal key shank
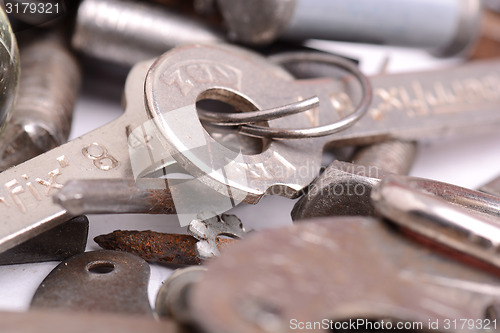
pixel 26 191
pixel 405 106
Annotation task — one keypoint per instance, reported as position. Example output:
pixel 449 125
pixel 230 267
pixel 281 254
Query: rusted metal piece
pixel 98 281
pixel 43 321
pixel 156 247
pixel 365 268
pixel 59 243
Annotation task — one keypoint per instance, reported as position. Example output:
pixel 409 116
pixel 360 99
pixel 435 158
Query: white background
pixel 468 161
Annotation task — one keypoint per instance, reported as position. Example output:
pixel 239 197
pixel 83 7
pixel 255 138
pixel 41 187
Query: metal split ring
pixel 323 130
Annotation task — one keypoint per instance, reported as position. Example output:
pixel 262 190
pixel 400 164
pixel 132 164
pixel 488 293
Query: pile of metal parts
pixel 422 255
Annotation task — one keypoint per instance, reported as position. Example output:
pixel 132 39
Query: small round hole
pixel 100 267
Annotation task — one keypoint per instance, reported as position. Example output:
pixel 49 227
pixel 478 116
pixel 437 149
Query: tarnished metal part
pixel 365 269
pixel 208 231
pixel 256 22
pixel 46 321
pixel 107 281
pixel 465 220
pixel 342 189
pixel 116 196
pixel 9 62
pixel 172 298
pixel 49 84
pixel 127 32
pixel 157 247
pixel 61 242
pixel 392 156
pixel 152 246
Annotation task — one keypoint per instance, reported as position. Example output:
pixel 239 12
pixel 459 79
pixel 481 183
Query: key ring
pixel 323 130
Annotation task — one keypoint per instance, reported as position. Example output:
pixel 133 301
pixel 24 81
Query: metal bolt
pixel 127 32
pixel 447 27
pixel 392 156
pixel 43 110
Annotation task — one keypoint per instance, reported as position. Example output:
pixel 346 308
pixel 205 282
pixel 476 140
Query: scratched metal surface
pixel 467 161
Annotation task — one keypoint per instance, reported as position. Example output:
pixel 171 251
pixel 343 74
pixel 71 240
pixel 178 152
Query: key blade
pixel 430 104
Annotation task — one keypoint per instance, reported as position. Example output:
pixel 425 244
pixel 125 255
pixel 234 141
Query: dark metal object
pixel 107 281
pixel 365 269
pixel 156 247
pixel 43 110
pixel 106 196
pixel 446 27
pixel 59 243
pixel 43 321
pixel 342 189
pixel 127 32
pixel 462 219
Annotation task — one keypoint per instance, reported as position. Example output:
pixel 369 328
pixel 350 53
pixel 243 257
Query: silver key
pixel 26 203
pixel 405 106
pixel 26 195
